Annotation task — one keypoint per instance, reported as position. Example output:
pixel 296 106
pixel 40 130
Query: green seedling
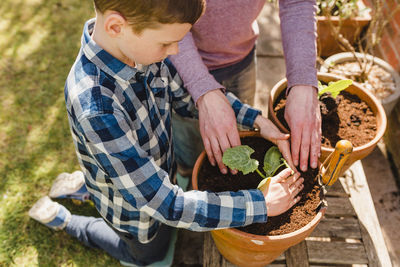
pixel 334 88
pixel 238 158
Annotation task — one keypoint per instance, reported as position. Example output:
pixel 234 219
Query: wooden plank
pixel 373 258
pixel 336 252
pixel 356 184
pixel 211 255
pixel 297 255
pixel 339 207
pixel 345 227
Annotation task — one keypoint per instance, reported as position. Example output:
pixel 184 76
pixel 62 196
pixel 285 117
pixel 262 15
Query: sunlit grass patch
pixel 39 40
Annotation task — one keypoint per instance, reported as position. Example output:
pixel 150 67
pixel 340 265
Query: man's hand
pixel 281 194
pixel 303 115
pixel 217 126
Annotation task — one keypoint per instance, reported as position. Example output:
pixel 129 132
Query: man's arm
pixel 193 71
pixel 216 118
pixel 302 113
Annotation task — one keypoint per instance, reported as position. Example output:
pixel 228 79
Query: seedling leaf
pixel 272 161
pixel 238 158
pixel 335 87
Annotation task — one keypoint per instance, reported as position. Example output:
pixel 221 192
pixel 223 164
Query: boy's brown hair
pixel 142 14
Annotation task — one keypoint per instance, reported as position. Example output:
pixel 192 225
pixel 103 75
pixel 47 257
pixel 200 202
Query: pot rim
pixel 237 232
pixel 348 56
pixel 380 111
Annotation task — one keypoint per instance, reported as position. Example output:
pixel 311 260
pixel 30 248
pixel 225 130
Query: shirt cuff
pixel 256 209
pixel 246 115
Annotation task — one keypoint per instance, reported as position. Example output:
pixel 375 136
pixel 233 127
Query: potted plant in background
pixel 360 118
pixel 374 74
pixel 259 244
pixel 347 17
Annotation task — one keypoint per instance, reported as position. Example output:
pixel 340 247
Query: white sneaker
pixel 69 185
pixel 50 213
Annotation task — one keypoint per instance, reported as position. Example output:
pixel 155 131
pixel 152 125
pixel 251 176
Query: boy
pixel 119 109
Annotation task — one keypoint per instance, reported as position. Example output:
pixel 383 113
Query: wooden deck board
pixel 297 256
pixel 355 183
pixel 338 228
pixel 336 252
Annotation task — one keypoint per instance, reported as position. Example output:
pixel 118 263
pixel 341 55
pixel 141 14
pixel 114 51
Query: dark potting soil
pixel 211 179
pixel 346 117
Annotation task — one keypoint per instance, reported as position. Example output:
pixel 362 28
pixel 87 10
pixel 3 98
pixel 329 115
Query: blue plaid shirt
pixel 120 120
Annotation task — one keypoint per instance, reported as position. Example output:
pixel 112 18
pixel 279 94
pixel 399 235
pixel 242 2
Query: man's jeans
pixel 186 134
pixel 96 233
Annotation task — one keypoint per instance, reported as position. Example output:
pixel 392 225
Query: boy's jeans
pixel 96 233
pixel 186 134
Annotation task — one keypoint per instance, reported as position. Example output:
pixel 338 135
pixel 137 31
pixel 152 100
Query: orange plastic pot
pixel 359 152
pixel 244 249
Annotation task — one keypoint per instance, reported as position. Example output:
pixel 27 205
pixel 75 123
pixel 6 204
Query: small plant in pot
pixel 238 158
pixel 259 244
pixel 359 118
pixel 374 74
pixel 347 17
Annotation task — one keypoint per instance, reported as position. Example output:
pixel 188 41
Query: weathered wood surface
pixel 355 182
pixel 340 239
pixel 338 228
pixel 336 252
pixel 297 256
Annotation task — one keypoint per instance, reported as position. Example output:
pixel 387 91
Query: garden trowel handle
pixel 338 157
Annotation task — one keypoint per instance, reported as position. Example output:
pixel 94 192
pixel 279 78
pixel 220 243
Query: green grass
pixel 39 40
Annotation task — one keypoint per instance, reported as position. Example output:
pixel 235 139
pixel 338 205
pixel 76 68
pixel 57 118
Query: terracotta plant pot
pixel 244 249
pixel 326 42
pixel 350 29
pixel 359 152
pixel 389 102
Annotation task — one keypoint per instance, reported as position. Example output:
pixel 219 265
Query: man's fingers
pixel 316 142
pixel 209 152
pixel 305 148
pixel 218 155
pixel 315 149
pixel 224 145
pixel 234 140
pixel 233 137
pixel 295 146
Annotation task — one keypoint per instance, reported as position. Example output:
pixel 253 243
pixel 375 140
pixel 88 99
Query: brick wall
pixel 389 47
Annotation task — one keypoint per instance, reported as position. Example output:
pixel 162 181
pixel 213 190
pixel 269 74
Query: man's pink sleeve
pixel 192 70
pixel 298 27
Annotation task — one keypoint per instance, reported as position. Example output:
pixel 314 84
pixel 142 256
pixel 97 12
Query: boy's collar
pixel 104 60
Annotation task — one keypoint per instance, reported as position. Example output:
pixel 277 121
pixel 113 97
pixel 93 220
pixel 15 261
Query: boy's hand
pixel 281 194
pixel 270 132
